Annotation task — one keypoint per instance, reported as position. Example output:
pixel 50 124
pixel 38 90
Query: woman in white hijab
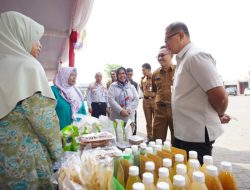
pixel 29 130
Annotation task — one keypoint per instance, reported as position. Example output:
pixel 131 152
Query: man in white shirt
pixel 199 100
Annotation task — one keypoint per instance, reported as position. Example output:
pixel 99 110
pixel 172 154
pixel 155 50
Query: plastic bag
pixel 69 134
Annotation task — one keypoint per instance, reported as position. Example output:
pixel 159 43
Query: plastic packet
pixel 69 134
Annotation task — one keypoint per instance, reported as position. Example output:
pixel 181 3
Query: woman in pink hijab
pixel 69 97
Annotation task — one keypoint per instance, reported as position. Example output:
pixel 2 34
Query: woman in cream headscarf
pixel 29 128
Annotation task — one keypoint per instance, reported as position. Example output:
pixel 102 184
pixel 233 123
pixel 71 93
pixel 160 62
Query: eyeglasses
pixel 170 36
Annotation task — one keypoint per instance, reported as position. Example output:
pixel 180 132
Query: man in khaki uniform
pixel 161 85
pixel 148 98
pixel 113 78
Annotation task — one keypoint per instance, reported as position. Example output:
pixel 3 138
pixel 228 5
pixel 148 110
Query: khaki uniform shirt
pixel 162 82
pixel 146 86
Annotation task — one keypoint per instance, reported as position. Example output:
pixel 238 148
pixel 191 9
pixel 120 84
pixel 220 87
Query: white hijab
pixel 21 75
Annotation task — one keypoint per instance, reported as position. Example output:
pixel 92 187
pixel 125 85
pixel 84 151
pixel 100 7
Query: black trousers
pixel 98 108
pixel 201 148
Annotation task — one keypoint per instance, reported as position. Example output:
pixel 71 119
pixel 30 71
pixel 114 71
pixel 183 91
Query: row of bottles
pixel 149 160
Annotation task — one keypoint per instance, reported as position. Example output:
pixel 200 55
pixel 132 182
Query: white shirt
pixel 97 93
pixel 195 74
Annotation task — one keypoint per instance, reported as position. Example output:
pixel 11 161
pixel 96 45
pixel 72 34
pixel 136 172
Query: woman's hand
pixel 124 113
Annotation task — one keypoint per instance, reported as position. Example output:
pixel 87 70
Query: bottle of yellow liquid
pixel 151 144
pixel 138 186
pixel 226 176
pixel 179 159
pixel 164 177
pixel 194 166
pixel 179 182
pixel 207 160
pixel 198 181
pixel 192 156
pixel 167 146
pixel 150 167
pixel 162 186
pixel 158 147
pixel 167 163
pixel 133 177
pixel 181 169
pixel 150 150
pixel 212 179
pixel 148 181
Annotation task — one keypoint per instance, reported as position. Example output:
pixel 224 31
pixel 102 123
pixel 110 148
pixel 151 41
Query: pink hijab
pixel 70 93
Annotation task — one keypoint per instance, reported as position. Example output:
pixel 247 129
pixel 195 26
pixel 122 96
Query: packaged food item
pixel 69 134
pixel 136 139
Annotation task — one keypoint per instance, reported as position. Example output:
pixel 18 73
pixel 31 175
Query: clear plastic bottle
pixel 143 147
pixel 212 179
pixel 198 181
pixel 150 167
pixel 158 142
pixel 164 177
pixel 158 147
pixel 133 177
pixel 194 166
pixel 167 146
pixel 179 159
pixel 148 181
pixel 149 150
pixel 138 186
pixel 162 186
pixel 129 151
pixel 226 176
pixel 136 155
pixel 193 155
pixel 117 159
pixel 167 163
pixel 179 182
pixel 181 169
pixel 207 160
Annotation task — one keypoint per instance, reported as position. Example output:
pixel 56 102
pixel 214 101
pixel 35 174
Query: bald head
pixel 98 77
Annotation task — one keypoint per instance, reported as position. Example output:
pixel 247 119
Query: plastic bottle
pixel 194 166
pixel 226 176
pixel 129 151
pixel 167 146
pixel 179 182
pixel 133 177
pixel 179 159
pixel 164 177
pixel 212 179
pixel 136 155
pixel 162 186
pixel 181 169
pixel 158 142
pixel 152 144
pixel 149 150
pixel 143 147
pixel 158 147
pixel 207 160
pixel 148 181
pixel 118 157
pixel 150 167
pixel 192 156
pixel 198 181
pixel 138 186
pixel 167 163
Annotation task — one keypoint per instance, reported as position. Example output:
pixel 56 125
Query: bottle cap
pixel 134 148
pixel 192 154
pixel 162 186
pixel 163 172
pixel 149 150
pixel 212 170
pixel 179 181
pixel 226 166
pixel 158 142
pixel 138 186
pixel 128 151
pixel 179 158
pixel 150 166
pixel 147 178
pixel 118 153
pixel 158 147
pixel 181 169
pixel 198 177
pixel 143 145
pixel 208 160
pixel 194 164
pixel 151 144
pixel 126 156
pixel 133 171
pixel 167 145
pixel 167 162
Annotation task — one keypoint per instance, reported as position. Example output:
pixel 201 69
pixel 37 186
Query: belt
pixel 99 103
pixel 165 105
pixel 148 97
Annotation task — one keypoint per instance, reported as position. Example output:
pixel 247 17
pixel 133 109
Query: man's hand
pixel 124 113
pixel 224 118
pixel 90 110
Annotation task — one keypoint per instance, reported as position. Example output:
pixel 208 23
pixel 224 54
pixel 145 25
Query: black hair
pixel 119 69
pixel 113 71
pixel 129 70
pixel 146 66
pixel 162 47
pixel 178 26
